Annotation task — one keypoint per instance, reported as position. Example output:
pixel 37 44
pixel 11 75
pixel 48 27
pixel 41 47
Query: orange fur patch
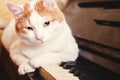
pixel 54 14
pixel 22 21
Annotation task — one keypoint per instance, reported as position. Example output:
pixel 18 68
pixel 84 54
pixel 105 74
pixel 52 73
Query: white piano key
pixel 55 72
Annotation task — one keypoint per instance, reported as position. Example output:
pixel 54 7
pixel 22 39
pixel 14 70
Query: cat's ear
pixel 51 4
pixel 15 9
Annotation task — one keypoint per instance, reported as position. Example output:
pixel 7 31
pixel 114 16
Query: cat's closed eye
pixel 47 23
pixel 29 28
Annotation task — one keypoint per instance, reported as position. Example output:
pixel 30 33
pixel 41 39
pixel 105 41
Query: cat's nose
pixel 39 38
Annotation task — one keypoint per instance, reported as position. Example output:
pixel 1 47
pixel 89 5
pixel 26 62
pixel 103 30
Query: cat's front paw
pixel 25 68
pixel 36 63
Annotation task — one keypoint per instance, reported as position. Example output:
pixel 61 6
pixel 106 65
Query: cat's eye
pixel 47 23
pixel 29 28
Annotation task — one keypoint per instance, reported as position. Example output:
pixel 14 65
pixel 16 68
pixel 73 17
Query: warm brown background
pixel 82 24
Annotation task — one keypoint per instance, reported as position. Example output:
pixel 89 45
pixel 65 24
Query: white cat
pixel 39 35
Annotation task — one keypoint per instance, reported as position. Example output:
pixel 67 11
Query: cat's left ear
pixel 15 9
pixel 50 4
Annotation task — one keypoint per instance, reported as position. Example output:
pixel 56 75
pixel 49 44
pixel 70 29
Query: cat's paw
pixel 36 63
pixel 25 68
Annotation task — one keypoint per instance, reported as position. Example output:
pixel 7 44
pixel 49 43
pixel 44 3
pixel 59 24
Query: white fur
pixel 28 53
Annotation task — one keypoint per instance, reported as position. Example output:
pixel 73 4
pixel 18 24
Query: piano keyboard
pixel 81 69
pixel 55 72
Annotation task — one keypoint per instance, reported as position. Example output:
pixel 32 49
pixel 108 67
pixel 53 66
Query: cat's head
pixel 37 21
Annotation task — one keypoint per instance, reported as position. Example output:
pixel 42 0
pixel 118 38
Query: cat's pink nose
pixel 39 38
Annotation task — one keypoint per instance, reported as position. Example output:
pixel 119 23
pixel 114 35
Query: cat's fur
pixel 39 35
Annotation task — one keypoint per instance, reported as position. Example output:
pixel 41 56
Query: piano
pixel 90 65
pixel 99 59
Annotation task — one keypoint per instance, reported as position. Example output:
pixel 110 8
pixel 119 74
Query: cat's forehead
pixel 38 6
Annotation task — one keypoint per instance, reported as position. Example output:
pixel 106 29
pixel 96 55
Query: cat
pixel 38 35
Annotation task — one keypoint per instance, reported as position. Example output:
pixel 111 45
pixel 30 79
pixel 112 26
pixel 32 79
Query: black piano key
pixel 69 65
pixel 62 64
pixel 72 70
pixel 77 73
pixel 86 70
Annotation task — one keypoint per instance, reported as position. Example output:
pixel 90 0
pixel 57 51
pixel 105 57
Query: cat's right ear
pixel 16 10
